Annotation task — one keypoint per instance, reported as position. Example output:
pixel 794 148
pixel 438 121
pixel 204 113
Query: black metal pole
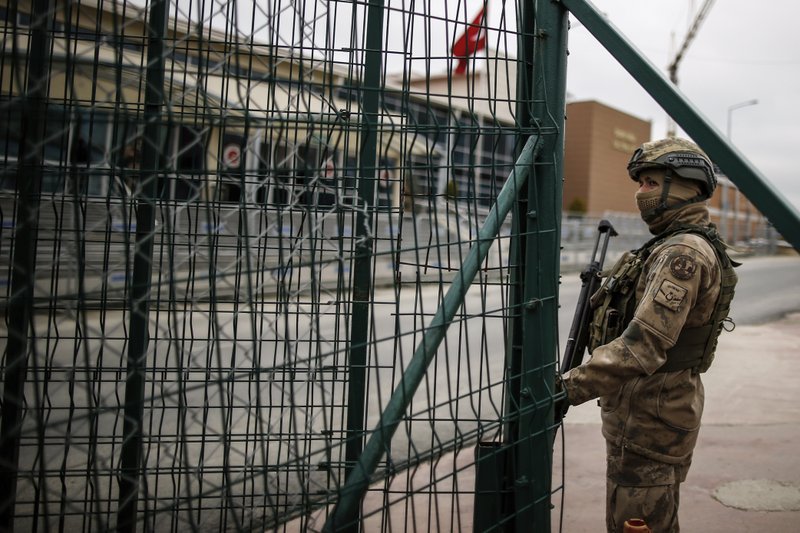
pixel 131 454
pixel 19 312
pixel 362 268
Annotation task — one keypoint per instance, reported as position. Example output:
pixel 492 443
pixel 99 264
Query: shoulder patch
pixel 670 295
pixel 683 267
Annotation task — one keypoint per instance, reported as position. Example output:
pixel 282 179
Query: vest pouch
pixel 607 326
pixel 611 301
pixel 729 280
pixel 613 325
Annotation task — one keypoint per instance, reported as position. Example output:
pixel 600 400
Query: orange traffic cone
pixel 635 525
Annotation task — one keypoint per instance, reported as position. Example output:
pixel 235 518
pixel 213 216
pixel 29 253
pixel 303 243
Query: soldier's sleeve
pixel 673 281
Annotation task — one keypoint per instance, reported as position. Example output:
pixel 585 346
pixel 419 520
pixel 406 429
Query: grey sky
pixel 744 50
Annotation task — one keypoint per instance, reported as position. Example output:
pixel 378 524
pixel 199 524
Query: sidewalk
pixel 748 448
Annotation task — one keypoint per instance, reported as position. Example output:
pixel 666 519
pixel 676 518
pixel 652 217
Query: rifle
pixel 579 330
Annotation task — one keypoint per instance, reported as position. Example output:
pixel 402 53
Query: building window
pixel 464 143
pixel 191 151
pixel 10 126
pixel 231 163
pixel 189 164
pixel 89 153
pixel 497 160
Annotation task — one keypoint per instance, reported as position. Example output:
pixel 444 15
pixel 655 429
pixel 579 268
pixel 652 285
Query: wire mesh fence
pixel 227 229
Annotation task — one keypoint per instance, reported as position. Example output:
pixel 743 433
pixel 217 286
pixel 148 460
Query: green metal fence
pixel 284 265
pixel 278 264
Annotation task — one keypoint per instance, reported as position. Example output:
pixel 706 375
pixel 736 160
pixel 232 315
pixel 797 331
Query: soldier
pixel 656 320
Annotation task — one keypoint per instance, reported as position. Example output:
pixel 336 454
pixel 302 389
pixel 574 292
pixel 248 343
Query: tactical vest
pixel 614 304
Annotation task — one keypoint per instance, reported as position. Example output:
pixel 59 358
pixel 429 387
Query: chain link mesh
pixel 225 230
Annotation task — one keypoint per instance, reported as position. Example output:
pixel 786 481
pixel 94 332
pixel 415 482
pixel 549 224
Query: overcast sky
pixel 744 50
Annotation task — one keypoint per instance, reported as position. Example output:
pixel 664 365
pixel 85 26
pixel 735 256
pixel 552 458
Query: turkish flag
pixel 470 42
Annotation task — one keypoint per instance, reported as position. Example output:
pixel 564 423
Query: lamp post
pixel 725 206
pixel 734 107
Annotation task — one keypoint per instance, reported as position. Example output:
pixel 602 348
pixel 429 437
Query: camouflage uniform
pixel 651 419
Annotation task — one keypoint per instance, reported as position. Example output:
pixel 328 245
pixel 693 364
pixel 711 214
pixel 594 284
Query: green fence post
pixel 19 312
pixel 362 268
pixel 140 297
pixel 756 187
pixel 541 104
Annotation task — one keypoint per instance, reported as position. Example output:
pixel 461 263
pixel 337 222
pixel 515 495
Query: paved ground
pixel 747 454
pixel 750 433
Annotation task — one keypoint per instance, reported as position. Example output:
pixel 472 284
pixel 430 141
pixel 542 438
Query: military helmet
pixel 683 157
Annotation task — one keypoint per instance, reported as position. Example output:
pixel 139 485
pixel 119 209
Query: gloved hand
pixel 561 402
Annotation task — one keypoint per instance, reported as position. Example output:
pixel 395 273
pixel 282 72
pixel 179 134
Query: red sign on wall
pixel 232 155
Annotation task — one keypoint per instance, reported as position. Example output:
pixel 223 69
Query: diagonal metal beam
pixel 358 481
pixel 783 215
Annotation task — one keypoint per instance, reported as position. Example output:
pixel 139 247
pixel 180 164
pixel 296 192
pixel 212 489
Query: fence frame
pixel 532 195
pixel 20 306
pixel 140 291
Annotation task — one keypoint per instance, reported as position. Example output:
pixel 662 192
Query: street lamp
pixel 738 106
pixel 725 207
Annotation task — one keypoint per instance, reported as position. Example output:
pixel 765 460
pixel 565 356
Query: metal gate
pixel 277 264
pixel 288 264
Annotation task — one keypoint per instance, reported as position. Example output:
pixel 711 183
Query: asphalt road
pixel 768 288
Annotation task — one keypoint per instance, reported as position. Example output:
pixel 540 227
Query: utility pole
pixel 690 35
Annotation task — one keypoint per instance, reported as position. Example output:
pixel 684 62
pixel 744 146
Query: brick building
pixel 599 141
